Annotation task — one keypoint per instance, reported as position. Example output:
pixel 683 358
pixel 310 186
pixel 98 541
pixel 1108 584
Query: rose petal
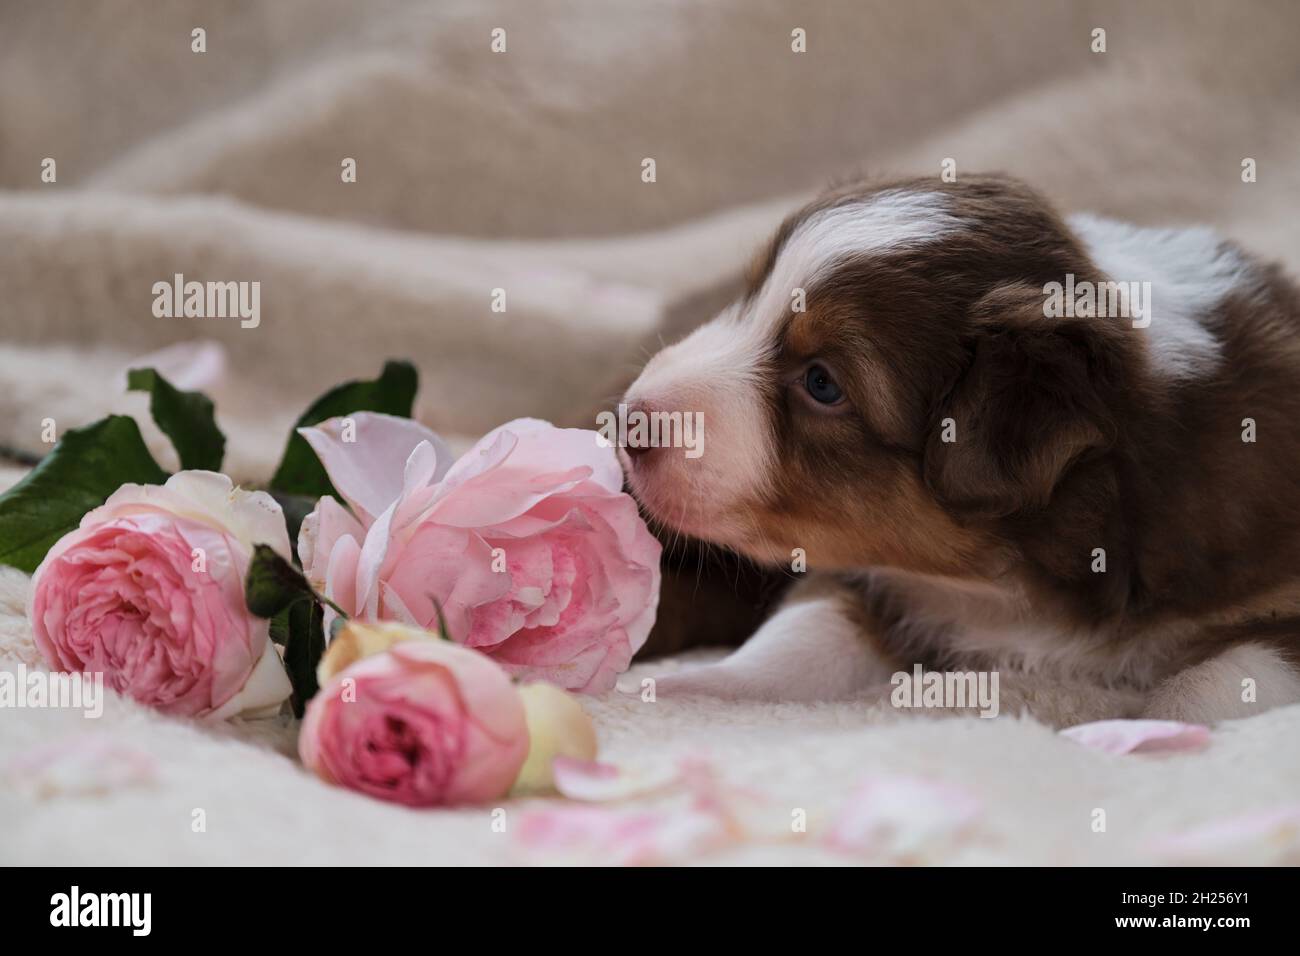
pixel 531 444
pixel 483 457
pixel 594 782
pixel 478 680
pixel 517 463
pixel 740 811
pixel 341 577
pixel 495 498
pixel 540 443
pixel 1131 736
pixel 251 517
pixel 450 565
pixel 320 532
pixel 374 553
pixel 369 472
pixel 265 690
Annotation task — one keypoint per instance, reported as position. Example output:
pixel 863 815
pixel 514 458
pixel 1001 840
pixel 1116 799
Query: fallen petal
pixel 1132 736
pixel 594 782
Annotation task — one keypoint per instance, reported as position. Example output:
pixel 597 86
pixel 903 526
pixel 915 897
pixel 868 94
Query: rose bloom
pixel 424 723
pixel 528 543
pixel 149 590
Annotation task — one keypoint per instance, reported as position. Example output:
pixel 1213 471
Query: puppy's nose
pixel 637 410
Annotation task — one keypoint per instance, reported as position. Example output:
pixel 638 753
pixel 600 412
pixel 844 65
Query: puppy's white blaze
pixel 717 370
pixel 721 367
pixel 1191 272
pixel 893 219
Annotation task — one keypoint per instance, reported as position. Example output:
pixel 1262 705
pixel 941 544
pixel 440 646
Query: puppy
pixel 983 472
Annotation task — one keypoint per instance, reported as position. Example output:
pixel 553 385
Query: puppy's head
pixel 888 390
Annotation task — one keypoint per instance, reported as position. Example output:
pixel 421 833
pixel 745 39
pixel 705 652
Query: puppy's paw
pixel 811 650
pixel 709 680
pixel 1241 682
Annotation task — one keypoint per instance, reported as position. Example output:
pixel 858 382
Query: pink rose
pixel 425 723
pixel 149 590
pixel 528 543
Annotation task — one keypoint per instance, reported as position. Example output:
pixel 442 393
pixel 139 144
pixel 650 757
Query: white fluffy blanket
pixel 124 788
pixel 522 171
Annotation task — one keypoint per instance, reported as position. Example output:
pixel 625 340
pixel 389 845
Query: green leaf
pixel 393 393
pixel 303 651
pixel 280 628
pixel 275 589
pixel 185 417
pixel 84 468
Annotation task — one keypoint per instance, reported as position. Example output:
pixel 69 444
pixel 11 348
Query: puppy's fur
pixel 957 505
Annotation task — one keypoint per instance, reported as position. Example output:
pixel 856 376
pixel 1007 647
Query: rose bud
pixel 557 727
pixel 357 639
pixel 424 723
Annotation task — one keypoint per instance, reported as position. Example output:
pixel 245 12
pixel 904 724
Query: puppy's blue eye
pixel 821 386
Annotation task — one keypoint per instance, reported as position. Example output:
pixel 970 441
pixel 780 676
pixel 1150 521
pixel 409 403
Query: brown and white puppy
pixel 979 485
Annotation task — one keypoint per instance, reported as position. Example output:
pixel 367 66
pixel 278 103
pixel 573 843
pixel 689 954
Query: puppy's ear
pixel 1027 407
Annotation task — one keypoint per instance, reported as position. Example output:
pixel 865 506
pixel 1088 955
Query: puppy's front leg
pixel 810 649
pixel 1240 682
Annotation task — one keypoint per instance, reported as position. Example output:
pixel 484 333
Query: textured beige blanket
pixel 518 176
pixel 522 171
